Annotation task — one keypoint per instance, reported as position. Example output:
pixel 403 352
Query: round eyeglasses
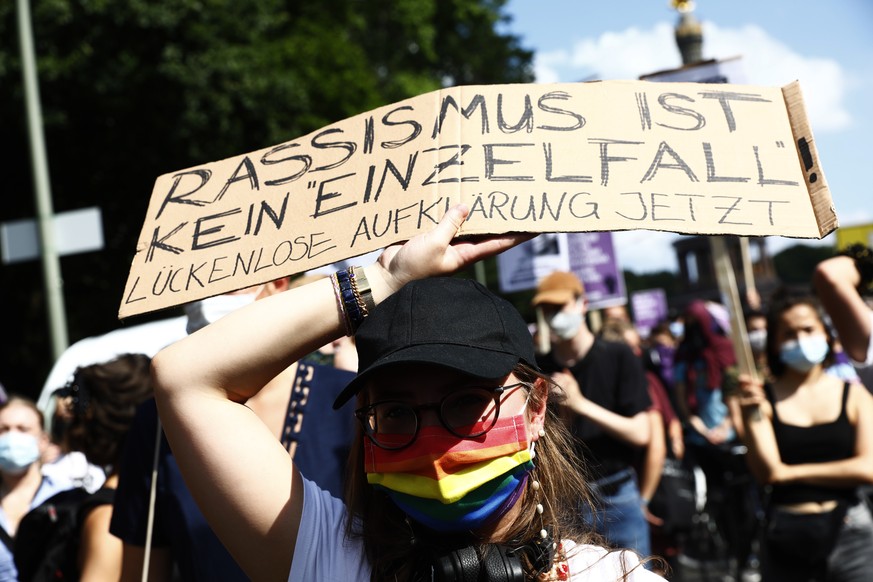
pixel 466 413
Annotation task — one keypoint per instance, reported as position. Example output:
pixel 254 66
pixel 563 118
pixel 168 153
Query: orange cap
pixel 558 288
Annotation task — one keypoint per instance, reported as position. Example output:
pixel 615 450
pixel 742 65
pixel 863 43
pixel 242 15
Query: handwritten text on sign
pixel 682 157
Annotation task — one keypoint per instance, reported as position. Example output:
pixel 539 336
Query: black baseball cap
pixel 450 322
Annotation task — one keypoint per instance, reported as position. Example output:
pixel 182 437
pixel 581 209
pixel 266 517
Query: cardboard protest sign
pixel 579 157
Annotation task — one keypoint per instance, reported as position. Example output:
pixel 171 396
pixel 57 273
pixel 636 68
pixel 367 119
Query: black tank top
pixel 819 443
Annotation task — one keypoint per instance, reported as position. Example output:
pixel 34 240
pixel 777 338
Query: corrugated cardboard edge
pixel 819 194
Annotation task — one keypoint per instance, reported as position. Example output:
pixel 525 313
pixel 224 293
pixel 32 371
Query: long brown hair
pixel 394 548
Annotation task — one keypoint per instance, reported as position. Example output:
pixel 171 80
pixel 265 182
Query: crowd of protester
pixel 777 465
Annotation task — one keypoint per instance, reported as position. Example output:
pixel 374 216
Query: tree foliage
pixel 131 90
pixel 796 264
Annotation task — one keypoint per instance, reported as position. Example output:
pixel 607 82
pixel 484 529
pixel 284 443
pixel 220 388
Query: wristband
pixel 350 302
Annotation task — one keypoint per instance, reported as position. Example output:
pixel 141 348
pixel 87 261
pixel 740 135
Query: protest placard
pixel 649 308
pixel 576 157
pixel 589 255
pixel 594 261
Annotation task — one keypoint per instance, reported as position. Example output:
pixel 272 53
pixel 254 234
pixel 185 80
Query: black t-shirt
pixel 613 377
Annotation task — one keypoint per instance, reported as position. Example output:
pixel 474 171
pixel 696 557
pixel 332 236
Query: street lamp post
pixel 42 187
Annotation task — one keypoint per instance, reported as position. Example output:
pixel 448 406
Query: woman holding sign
pixel 459 471
pixel 818 528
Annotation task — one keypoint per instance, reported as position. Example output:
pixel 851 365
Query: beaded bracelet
pixel 353 295
pixel 353 311
pixel 863 257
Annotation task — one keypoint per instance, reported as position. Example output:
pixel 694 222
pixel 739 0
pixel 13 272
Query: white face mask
pixel 804 354
pixel 18 451
pixel 758 340
pixel 202 313
pixel 565 324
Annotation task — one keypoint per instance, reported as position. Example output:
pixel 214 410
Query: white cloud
pixel 612 55
pixel 766 61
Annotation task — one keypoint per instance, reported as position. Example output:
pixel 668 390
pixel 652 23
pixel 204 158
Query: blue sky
pixel 827 46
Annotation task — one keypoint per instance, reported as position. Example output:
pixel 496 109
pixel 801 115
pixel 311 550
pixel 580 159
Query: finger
pixel 470 251
pixel 450 224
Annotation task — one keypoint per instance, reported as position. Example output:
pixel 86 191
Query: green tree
pixel 135 89
pixel 795 264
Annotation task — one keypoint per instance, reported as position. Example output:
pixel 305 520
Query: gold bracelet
pixel 363 292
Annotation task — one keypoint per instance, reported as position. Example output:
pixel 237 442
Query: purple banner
pixel 649 308
pixel 592 258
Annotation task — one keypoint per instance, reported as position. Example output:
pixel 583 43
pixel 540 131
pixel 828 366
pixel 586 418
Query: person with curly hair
pixel 100 403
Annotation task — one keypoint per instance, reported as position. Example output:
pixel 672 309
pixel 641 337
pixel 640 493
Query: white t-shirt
pixel 323 553
pixel 75 468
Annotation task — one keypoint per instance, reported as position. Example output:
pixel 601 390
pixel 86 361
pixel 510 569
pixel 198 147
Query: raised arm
pixel 241 477
pixel 836 281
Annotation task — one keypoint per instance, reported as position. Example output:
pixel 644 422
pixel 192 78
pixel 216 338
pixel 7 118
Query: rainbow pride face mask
pixel 453 484
pixel 482 505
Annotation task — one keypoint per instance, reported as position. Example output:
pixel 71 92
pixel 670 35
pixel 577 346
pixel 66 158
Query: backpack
pixel 675 499
pixel 47 540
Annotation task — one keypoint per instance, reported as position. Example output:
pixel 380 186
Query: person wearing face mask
pixel 810 438
pixel 606 407
pixel 22 484
pixel 459 470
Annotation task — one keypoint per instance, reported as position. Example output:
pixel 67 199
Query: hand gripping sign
pixel 576 157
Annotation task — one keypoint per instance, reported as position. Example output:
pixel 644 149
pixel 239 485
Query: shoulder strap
pixel 7 540
pixel 297 403
pixel 846 388
pixel 103 496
